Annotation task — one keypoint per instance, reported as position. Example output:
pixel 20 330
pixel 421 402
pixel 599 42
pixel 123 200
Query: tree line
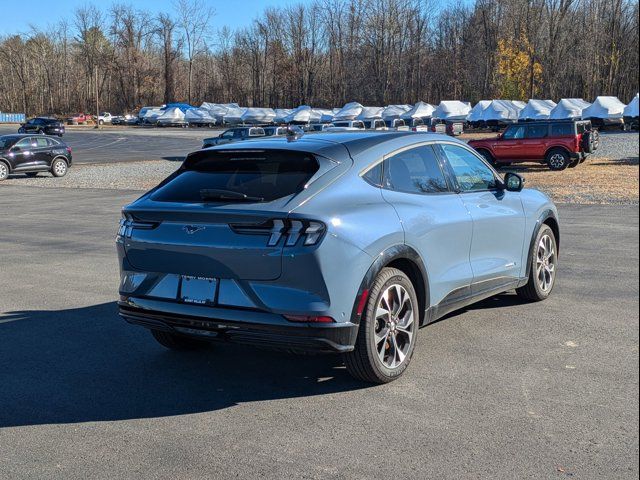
pixel 324 53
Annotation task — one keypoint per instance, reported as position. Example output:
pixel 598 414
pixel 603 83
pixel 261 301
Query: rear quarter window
pixel 267 176
pixel 562 130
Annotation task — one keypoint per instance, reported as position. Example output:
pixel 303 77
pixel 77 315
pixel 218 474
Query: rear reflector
pixel 363 301
pixel 308 319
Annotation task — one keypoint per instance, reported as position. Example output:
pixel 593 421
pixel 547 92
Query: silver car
pixel 343 243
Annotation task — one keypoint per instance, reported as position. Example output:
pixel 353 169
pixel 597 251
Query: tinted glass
pixel 374 176
pixel 41 142
pixel 24 143
pixel 7 142
pixel 227 134
pixel 562 129
pixel 414 171
pixel 51 142
pixel 471 173
pixel 514 133
pixel 537 131
pixel 268 176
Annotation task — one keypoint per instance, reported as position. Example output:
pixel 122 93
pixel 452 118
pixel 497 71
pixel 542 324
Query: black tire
pixel 40 131
pixel 364 362
pixel 31 174
pixel 488 157
pixel 533 290
pixel 4 171
pixel 56 167
pixel 558 159
pixel 21 130
pixel 174 341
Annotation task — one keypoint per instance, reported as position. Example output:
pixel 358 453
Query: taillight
pixel 128 223
pixel 291 230
pixel 309 319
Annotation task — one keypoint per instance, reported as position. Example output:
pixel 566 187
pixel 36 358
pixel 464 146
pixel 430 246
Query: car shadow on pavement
pixel 87 364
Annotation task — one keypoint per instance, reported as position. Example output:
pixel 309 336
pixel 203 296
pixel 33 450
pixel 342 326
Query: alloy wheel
pixel 60 168
pixel 4 171
pixel 546 263
pixel 394 326
pixel 557 160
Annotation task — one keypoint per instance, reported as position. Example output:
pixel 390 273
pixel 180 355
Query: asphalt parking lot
pixel 501 390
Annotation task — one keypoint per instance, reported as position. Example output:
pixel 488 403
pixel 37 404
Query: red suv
pixel 559 144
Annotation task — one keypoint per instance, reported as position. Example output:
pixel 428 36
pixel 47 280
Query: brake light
pixel 128 224
pixel 292 230
pixel 309 319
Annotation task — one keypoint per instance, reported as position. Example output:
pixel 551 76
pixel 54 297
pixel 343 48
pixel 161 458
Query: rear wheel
pixel 4 171
pixel 488 157
pixel 173 341
pixel 59 167
pixel 558 159
pixel 387 334
pixel 543 262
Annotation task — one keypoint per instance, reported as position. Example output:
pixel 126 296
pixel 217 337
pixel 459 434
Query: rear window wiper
pixel 215 194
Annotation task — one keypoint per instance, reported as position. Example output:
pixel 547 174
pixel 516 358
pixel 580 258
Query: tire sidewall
pixel 369 325
pixel 545 229
pixel 53 167
pixel 4 171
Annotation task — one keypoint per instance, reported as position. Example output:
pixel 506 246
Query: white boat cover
pixel 502 111
pixel 349 112
pixel 199 115
pixel 171 115
pixel 605 108
pixel 419 110
pixel 391 112
pixel 370 113
pixel 282 114
pixel 631 110
pixel 568 108
pixel 258 115
pixel 233 115
pixel 537 110
pixel 452 110
pixel 326 115
pixel 475 115
pixel 219 110
pixel 152 114
pixel 302 114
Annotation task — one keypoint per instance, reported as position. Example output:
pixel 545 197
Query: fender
pixel 541 220
pixel 395 252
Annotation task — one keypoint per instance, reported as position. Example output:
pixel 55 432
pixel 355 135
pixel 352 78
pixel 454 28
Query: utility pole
pixel 97 100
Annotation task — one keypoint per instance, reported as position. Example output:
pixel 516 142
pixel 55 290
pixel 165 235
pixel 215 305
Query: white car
pixel 104 117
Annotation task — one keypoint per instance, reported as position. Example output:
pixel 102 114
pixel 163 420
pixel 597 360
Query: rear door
pixel 535 142
pixel 497 215
pixel 435 220
pixel 41 152
pixel 199 224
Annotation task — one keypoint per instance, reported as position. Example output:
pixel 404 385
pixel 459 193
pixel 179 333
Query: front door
pixel 22 153
pixel 509 146
pixel 498 219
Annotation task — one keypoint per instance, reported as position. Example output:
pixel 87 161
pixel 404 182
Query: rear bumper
pixel 239 326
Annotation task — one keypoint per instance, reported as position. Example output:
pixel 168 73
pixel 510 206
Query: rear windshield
pixel 227 177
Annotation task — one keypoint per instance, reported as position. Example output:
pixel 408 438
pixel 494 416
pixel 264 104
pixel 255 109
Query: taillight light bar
pixel 128 223
pixel 310 231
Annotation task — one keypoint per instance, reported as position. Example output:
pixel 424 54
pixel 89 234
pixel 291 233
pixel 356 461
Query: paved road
pixel 502 390
pixel 124 144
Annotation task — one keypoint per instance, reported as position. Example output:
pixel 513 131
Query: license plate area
pixel 198 290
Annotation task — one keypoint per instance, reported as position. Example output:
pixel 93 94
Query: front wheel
pixel 59 168
pixel 543 263
pixel 4 171
pixel 387 334
pixel 558 159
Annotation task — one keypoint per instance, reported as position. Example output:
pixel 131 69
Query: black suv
pixel 43 125
pixel 33 154
pixel 234 135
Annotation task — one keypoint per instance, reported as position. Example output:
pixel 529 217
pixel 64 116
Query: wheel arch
pixel 548 217
pixel 7 163
pixel 556 147
pixel 405 259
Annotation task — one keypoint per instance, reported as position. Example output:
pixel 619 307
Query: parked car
pixel 232 135
pixel 33 154
pixel 274 131
pixel 43 125
pixel 105 117
pixel 375 124
pixel 344 243
pixel 452 128
pixel 558 143
pixel 359 124
pixel 78 119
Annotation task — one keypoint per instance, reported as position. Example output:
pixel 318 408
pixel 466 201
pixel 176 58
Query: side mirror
pixel 513 182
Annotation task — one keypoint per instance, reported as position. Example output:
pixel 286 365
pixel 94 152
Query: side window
pixel 41 142
pixel 414 171
pixel 228 134
pixel 51 142
pixel 471 173
pixel 537 131
pixel 515 132
pixel 562 129
pixel 25 143
pixel 374 176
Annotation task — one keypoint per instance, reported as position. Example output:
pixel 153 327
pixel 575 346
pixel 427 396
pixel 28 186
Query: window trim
pixel 451 188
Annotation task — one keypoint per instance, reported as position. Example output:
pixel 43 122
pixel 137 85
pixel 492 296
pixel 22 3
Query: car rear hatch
pixel 222 215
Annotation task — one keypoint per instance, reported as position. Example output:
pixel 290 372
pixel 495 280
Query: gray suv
pixel 341 243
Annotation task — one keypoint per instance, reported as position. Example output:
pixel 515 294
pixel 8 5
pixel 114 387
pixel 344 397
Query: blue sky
pixel 17 16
